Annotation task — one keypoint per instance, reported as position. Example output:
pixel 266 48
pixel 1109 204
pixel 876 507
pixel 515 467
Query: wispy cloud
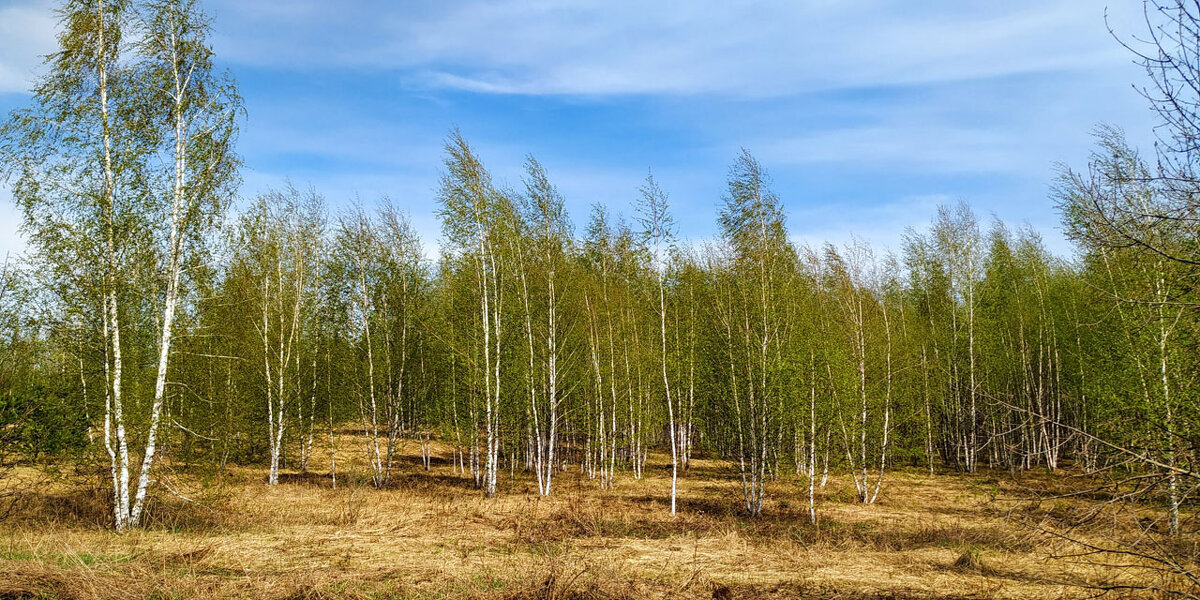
pixel 862 109
pixel 26 35
pixel 930 149
pixel 707 46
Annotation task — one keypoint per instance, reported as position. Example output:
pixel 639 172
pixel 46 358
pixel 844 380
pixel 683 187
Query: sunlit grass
pixel 431 535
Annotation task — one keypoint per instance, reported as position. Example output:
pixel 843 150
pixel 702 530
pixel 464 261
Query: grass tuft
pixel 971 559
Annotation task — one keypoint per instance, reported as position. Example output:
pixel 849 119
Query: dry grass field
pixel 432 536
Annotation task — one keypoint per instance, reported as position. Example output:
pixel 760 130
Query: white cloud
pixel 796 82
pixel 27 33
pixel 712 46
pixel 930 149
pixel 1016 127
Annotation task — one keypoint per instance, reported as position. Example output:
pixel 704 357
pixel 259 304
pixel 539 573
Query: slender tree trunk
pixel 812 440
pixel 114 411
pixel 887 407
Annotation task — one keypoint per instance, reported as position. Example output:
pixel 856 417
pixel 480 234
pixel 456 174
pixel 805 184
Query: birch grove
pixel 530 351
pixel 153 328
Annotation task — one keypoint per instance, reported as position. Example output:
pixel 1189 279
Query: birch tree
pixel 1143 285
pixel 383 270
pixel 757 322
pixel 550 230
pixel 473 214
pixel 602 303
pixel 198 117
pixel 956 234
pixel 658 230
pixel 125 161
pixel 278 259
pixel 866 424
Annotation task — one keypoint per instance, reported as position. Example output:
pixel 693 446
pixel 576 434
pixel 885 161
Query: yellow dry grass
pixel 431 535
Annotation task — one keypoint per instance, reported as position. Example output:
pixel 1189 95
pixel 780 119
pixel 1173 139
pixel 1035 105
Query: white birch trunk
pixel 114 413
pixel 170 303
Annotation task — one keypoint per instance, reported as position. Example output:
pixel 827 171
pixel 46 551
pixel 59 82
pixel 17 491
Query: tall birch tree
pixel 473 215
pixel 124 163
pixel 761 262
pixel 658 230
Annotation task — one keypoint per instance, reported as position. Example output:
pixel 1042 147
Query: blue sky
pixel 868 114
